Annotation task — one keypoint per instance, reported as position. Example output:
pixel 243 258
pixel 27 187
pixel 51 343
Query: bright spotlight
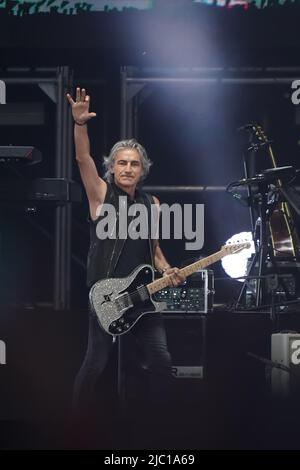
pixel 236 265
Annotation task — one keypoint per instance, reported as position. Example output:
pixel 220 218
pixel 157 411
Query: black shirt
pixel 117 257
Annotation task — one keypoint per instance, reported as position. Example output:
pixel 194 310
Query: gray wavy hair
pixel 121 145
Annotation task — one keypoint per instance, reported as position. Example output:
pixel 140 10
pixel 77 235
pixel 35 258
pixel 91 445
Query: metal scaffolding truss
pixel 55 82
pixel 137 84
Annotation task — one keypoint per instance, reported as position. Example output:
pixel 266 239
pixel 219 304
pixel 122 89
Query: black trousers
pixel 149 358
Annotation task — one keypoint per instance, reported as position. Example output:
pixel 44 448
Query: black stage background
pixel 232 407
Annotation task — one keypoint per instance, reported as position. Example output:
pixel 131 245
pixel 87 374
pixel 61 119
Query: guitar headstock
pixel 233 248
pixel 258 136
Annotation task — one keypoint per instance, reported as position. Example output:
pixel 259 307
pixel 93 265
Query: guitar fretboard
pixel 163 282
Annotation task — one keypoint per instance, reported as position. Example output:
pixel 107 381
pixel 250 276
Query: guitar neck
pixel 163 282
pixel 273 160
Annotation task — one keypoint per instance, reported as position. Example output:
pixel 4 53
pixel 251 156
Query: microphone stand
pixel 260 236
pixel 249 194
pixel 249 172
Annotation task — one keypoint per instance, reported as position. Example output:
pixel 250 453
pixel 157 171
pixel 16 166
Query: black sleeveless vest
pixel 103 255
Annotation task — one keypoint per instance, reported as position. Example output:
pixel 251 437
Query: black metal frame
pixel 55 82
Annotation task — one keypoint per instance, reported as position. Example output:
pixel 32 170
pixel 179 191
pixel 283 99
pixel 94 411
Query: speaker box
pixel 186 336
pixel 285 354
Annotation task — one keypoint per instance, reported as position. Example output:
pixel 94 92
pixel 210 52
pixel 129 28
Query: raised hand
pixel 80 107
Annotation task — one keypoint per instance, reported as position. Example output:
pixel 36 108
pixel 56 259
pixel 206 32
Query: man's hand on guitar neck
pixel 176 277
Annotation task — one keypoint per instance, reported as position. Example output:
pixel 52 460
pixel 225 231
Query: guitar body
pixel 283 242
pixel 119 303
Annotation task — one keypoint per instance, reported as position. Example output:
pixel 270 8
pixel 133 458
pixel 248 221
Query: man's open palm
pixel 80 107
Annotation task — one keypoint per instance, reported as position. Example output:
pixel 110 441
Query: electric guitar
pixel 120 303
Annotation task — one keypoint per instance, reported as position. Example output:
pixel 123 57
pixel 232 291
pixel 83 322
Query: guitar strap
pixel 148 202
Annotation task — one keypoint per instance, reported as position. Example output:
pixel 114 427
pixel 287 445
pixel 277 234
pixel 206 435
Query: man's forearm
pixel 82 142
pixel 175 277
pixel 161 264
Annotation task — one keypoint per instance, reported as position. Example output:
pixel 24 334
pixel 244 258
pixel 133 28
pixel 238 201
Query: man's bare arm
pixel 94 185
pixel 162 265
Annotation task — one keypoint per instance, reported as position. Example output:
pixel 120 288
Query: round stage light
pixel 236 265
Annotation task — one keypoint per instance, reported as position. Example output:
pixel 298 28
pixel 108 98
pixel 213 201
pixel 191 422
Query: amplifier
pixel 18 154
pixel 282 286
pixel 194 296
pixel 285 353
pixel 52 190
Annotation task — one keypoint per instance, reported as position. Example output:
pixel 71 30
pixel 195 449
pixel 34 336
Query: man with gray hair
pixel 115 256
